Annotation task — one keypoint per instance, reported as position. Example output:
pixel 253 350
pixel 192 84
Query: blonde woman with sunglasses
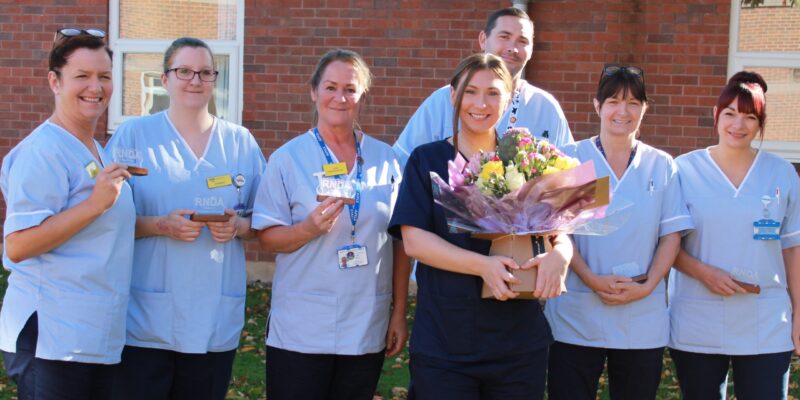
pixel 614 312
pixel 68 236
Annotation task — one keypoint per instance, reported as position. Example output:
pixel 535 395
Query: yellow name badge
pixel 219 181
pixel 92 169
pixel 335 169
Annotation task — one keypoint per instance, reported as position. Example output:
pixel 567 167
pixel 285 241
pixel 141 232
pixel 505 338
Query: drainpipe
pixel 521 4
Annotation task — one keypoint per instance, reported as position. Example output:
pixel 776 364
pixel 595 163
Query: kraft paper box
pixel 521 248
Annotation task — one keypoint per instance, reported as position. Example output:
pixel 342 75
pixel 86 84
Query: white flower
pixel 514 178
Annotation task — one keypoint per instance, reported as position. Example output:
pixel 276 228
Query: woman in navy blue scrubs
pixel 462 346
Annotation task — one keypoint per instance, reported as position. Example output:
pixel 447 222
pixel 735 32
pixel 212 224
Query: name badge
pixel 219 181
pixel 335 169
pixel 351 256
pixel 766 229
pixel 92 169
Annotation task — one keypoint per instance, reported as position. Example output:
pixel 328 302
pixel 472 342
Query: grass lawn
pixel 248 370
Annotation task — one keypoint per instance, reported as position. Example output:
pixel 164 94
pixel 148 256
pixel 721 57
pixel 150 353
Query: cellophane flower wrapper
pixel 562 202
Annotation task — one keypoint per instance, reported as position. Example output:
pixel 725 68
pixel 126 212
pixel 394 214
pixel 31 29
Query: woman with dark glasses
pixel 735 296
pixel 193 214
pixel 68 236
pixel 615 309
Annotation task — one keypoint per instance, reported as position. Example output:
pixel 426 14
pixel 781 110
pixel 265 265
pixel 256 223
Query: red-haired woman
pixel 738 280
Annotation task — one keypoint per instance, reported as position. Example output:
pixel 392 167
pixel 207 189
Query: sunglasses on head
pixel 72 32
pixel 610 70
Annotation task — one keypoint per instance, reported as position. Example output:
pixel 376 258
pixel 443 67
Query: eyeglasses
pixel 72 32
pixel 187 74
pixel 610 70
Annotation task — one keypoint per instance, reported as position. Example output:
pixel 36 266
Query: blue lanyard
pixel 359 165
pixel 603 152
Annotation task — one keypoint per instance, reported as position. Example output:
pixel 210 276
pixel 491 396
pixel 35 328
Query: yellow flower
pixel 565 163
pixel 550 170
pixel 490 167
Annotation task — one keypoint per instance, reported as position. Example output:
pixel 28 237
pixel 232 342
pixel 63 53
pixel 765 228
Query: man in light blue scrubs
pixel 508 34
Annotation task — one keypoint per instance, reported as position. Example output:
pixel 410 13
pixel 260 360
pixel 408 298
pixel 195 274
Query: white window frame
pixel 234 49
pixel 737 60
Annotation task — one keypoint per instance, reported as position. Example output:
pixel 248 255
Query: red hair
pixel 748 89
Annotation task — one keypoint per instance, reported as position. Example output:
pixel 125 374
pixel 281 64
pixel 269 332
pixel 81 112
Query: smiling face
pixel 83 86
pixel 483 103
pixel 337 96
pixel 512 40
pixel 194 93
pixel 620 115
pixel 736 129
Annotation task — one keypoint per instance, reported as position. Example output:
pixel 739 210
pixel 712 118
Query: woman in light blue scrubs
pixel 615 307
pixel 189 280
pixel 340 286
pixel 68 236
pixel 735 297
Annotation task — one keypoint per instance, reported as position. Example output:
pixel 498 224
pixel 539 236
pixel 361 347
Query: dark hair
pixel 622 81
pixel 749 89
pixel 65 46
pixel 463 75
pixel 180 43
pixel 491 22
pixel 348 56
pixel 344 55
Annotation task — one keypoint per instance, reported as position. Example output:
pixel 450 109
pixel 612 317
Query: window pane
pixel 160 19
pixel 783 96
pixel 142 93
pixel 769 29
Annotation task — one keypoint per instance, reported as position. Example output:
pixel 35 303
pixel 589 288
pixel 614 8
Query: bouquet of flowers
pixel 527 186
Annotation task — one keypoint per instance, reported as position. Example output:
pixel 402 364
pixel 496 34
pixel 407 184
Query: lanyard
pixel 354 209
pixel 512 118
pixel 603 152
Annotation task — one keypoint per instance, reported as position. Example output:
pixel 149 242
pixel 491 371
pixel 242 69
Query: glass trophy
pixel 132 158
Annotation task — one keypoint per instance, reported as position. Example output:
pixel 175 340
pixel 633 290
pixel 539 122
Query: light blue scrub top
pixel 579 316
pixel 538 111
pixel 187 296
pixel 79 290
pixel 317 307
pixel 741 324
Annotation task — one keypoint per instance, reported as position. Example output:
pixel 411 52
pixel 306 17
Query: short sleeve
pixel 271 203
pixel 36 186
pixel 675 215
pixel 259 164
pixel 428 124
pixel 562 136
pixel 414 206
pixel 791 221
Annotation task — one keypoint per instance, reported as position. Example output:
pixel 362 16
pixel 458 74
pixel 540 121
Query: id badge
pixel 766 229
pixel 351 256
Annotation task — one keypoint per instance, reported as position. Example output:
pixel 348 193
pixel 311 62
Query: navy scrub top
pixel 452 321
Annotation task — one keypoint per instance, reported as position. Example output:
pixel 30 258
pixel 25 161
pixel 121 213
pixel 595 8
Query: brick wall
pixel 682 47
pixel 769 29
pixel 411 46
pixel 26 35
